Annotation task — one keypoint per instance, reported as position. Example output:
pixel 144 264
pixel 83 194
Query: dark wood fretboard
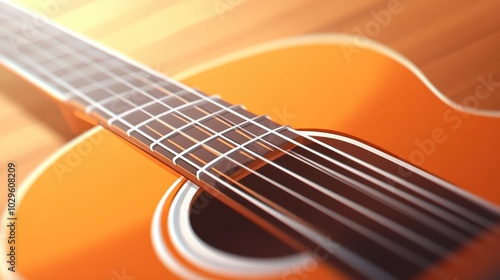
pixel 179 123
pixel 302 189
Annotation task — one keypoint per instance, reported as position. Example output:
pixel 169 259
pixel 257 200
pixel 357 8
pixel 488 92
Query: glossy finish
pixel 453 42
pixel 100 196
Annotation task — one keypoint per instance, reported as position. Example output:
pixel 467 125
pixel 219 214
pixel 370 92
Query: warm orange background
pixel 453 42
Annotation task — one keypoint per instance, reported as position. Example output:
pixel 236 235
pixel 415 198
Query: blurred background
pixel 452 42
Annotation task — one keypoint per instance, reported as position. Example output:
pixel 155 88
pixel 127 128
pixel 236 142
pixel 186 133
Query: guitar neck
pixel 288 182
pixel 155 112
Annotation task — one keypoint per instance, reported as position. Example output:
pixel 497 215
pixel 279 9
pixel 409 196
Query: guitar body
pixel 114 211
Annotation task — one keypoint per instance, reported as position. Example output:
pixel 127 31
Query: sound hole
pixel 227 230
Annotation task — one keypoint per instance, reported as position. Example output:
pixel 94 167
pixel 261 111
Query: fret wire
pixel 152 102
pixel 110 74
pixel 188 124
pixel 403 183
pixel 193 121
pixel 92 86
pixel 238 147
pixel 70 86
pixel 217 179
pixel 239 192
pixel 172 110
pixel 31 76
pixel 274 212
pixel 137 75
pixel 195 141
pixel 345 167
pixel 111 77
pixel 196 93
pixel 278 134
pixel 75 61
pixel 34 56
pixel 403 231
pixel 45 30
pixel 367 232
pixel 217 159
pixel 15 28
pixel 212 137
pixel 73 89
pixel 330 148
pixel 40 72
pixel 68 72
pixel 390 245
pixel 221 156
pixel 31 40
pixel 221 136
pixel 174 82
pixel 109 99
pixel 136 129
pixel 121 97
pixel 47 44
pixel 337 163
pixel 394 251
pixel 113 95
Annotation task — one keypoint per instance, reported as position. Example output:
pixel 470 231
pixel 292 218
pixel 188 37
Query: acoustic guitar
pixel 173 182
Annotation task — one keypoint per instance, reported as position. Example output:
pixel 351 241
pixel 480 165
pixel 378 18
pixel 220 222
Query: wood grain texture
pixel 455 43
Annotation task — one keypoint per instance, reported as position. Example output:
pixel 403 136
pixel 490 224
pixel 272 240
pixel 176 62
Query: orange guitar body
pixel 89 211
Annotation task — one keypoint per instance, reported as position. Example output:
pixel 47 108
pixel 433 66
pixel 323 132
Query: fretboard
pixel 174 121
pixel 383 225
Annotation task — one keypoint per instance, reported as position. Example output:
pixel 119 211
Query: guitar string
pixel 362 162
pixel 362 267
pixel 423 192
pixel 153 100
pixel 191 123
pixel 134 104
pixel 42 20
pixel 423 219
pixel 133 109
pixel 282 219
pixel 343 254
pixel 248 151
